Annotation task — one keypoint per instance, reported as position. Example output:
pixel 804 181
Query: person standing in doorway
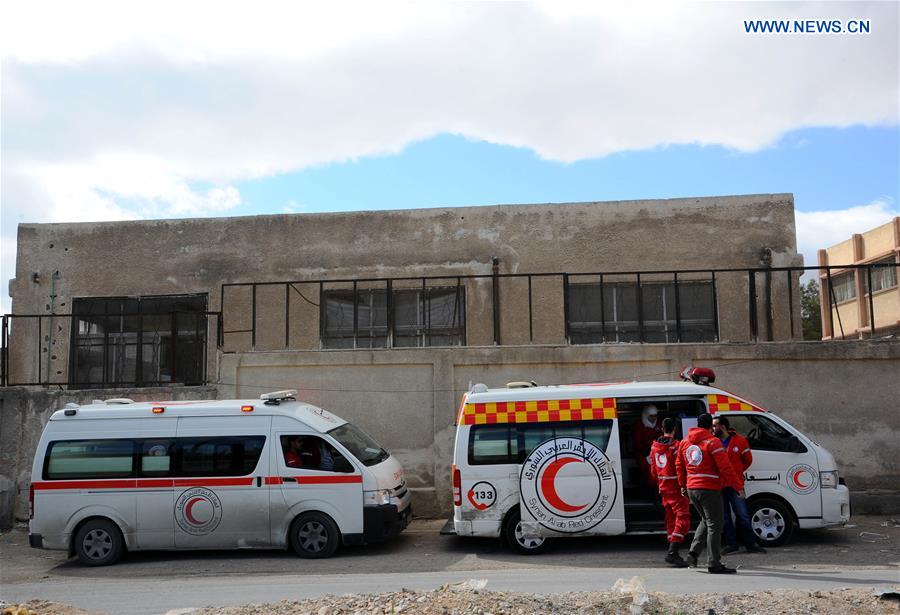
pixel 645 432
pixel 676 505
pixel 738 449
pixel 703 469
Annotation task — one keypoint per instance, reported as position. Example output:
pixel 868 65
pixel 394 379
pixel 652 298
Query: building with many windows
pixel 847 304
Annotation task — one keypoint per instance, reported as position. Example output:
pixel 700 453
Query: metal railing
pixel 33 360
pixel 766 314
pixel 744 304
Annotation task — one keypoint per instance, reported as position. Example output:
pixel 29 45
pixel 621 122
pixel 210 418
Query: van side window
pixel 313 453
pixel 218 456
pixel 764 434
pixel 491 445
pixel 156 457
pixel 72 459
pixel 510 444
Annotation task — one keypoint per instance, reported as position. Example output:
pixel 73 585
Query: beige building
pixel 847 305
pixel 152 303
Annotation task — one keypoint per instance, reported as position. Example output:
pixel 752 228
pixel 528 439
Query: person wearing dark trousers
pixel 739 454
pixel 703 469
pixel 676 505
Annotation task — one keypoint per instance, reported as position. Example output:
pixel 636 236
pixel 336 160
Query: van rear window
pixel 511 443
pixel 90 459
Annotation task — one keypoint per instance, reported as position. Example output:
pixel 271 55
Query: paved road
pixel 866 553
pixel 157 595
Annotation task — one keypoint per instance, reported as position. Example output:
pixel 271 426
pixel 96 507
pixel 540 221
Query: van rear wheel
pixel 99 543
pixel 772 522
pixel 314 535
pixel 516 538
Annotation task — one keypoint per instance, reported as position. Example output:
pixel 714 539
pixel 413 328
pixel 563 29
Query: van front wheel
pixel 772 522
pixel 516 538
pixel 99 543
pixel 314 536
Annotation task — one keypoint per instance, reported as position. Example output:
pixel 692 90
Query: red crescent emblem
pixel 188 514
pixel 797 479
pixel 548 485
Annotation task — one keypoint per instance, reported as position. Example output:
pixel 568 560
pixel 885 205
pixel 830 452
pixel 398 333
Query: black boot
pixel 673 558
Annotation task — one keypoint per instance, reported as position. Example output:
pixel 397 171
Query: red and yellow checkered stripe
pixel 539 411
pixel 727 403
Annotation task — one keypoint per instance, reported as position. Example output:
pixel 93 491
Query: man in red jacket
pixel 703 469
pixel 738 449
pixel 675 504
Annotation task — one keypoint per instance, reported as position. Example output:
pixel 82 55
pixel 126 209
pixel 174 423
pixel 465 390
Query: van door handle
pixel 259 481
pixel 288 479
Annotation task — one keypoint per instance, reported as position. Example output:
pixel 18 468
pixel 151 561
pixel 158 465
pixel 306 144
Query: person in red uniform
pixel 740 456
pixel 676 505
pixel 703 469
pixel 292 456
pixel 645 432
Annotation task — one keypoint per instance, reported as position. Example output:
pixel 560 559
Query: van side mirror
pixel 342 465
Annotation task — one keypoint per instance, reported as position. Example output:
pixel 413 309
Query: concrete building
pixel 847 305
pixel 148 297
pixel 385 317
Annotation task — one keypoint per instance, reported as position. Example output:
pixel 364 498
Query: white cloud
pixel 117 110
pixel 817 230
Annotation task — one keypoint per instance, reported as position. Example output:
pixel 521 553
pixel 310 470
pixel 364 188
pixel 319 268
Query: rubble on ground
pixel 41 607
pixel 627 598
pixel 450 601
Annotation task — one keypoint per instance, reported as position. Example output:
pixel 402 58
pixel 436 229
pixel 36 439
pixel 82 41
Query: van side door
pixel 782 464
pixel 571 483
pixel 221 500
pixel 154 522
pixel 316 475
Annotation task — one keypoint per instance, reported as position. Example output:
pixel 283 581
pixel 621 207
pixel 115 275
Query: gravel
pixel 627 597
pixel 450 600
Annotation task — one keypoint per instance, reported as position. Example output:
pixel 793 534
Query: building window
pixel 371 330
pixel 611 313
pixel 843 286
pixel 429 317
pixel 882 277
pixel 138 341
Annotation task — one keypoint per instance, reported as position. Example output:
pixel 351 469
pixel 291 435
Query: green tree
pixel 810 313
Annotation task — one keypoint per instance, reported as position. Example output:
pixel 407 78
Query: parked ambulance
pixel 532 463
pixel 233 474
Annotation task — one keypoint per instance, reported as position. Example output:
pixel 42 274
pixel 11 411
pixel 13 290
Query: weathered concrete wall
pixel 846 395
pixel 23 414
pixel 198 255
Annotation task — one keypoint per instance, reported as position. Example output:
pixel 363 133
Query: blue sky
pixel 825 169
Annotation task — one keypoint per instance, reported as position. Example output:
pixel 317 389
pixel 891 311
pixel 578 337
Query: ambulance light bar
pixel 698 375
pixel 273 399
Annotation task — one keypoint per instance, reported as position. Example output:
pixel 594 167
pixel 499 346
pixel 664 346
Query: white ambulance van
pixel 232 474
pixel 533 463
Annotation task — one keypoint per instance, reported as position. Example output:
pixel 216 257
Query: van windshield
pixel 359 443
